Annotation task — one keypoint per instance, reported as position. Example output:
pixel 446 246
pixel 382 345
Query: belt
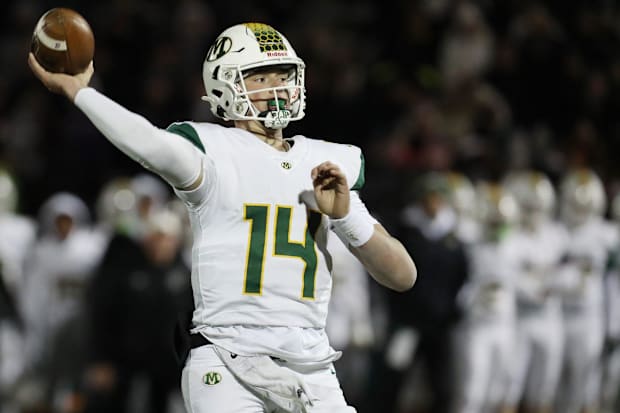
pixel 198 340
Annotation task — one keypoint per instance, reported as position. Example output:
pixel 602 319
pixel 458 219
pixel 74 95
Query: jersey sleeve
pixel 351 160
pixel 197 196
pixel 187 131
pixel 174 160
pixel 361 177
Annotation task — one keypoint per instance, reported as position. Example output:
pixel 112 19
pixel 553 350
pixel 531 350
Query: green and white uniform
pixel 261 271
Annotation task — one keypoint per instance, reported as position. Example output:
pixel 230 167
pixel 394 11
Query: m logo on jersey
pixel 221 46
pixel 212 378
pixel 286 165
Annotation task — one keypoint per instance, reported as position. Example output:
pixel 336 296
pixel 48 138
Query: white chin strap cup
pixel 277 119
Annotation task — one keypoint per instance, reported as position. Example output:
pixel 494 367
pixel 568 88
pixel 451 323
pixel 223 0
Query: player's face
pixel 63 225
pixel 432 204
pixel 270 77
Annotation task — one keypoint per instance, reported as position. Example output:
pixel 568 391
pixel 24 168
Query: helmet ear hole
pixel 217 93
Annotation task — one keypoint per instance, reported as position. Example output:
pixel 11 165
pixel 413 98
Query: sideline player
pixel 541 244
pixel 260 207
pixel 484 339
pixel 593 240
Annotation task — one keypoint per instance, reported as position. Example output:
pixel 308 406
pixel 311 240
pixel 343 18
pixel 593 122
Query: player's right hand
pixel 61 83
pixel 331 190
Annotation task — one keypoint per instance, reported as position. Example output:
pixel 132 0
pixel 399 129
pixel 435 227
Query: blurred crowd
pixel 490 134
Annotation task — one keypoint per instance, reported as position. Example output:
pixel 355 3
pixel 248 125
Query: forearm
pixel 387 260
pixel 383 256
pixel 168 155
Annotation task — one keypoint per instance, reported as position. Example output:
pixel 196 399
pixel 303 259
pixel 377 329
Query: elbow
pixel 406 280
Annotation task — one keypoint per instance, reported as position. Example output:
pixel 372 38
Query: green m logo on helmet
pixel 221 46
pixel 212 378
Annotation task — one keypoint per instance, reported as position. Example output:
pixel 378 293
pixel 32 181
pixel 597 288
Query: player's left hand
pixel 331 190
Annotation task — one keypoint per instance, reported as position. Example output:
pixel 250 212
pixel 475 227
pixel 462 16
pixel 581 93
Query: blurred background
pixel 491 135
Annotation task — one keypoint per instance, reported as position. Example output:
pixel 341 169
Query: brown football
pixel 63 41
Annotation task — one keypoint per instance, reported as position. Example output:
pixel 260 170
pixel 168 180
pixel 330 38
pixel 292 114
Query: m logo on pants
pixel 212 378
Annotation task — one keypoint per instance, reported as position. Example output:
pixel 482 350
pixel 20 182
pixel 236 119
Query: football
pixel 63 41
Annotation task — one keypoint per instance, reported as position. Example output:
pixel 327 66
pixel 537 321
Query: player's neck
pixel 272 137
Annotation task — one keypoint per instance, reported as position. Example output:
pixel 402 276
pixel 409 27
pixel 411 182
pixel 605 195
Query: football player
pixel 261 207
pixel 484 344
pixel 462 197
pixel 592 241
pixel 17 234
pixel 58 271
pixel 610 389
pixel 542 244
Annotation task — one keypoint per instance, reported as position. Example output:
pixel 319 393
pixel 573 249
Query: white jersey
pixel 58 274
pixel 468 230
pixel 541 254
pixel 583 277
pixel 489 293
pixel 259 257
pixel 17 235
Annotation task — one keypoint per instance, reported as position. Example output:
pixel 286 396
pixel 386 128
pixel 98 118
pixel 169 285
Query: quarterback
pixel 262 208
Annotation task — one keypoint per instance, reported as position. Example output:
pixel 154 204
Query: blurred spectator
pixel 467 48
pixel 422 319
pixel 140 289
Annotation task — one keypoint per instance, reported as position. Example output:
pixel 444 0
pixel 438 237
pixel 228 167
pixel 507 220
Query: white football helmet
pixel 461 193
pixel 498 209
pixel 535 194
pixel 115 203
pixel 63 203
pixel 239 50
pixel 582 196
pixel 8 192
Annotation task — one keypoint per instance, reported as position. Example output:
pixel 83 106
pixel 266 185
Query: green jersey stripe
pixel 188 132
pixel 360 178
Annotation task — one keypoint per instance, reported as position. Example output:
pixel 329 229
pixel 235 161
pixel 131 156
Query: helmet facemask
pixel 283 102
pixel 281 110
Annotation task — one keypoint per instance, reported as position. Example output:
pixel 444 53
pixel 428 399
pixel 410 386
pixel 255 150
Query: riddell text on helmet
pixel 276 54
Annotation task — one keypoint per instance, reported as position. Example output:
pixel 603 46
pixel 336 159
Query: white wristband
pixel 353 229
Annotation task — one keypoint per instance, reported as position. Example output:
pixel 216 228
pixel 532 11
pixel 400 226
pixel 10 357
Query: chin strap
pixel 276 116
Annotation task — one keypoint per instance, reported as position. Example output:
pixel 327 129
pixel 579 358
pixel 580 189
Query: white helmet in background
pixel 234 54
pixel 116 203
pixel 8 192
pixel 461 194
pixel 582 196
pixel 63 204
pixel 497 207
pixel 535 194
